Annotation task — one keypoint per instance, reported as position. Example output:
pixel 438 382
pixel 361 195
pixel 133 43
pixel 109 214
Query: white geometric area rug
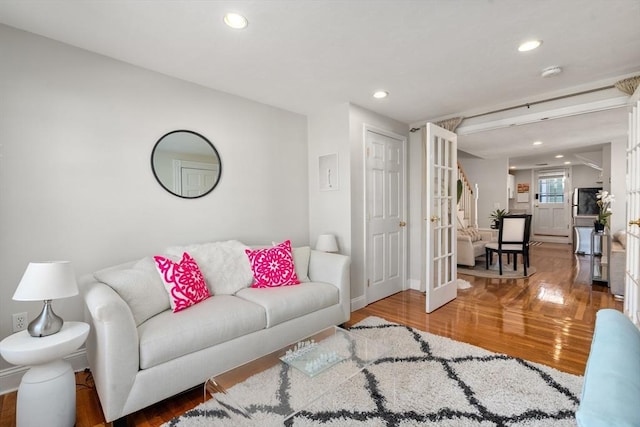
pixel 428 381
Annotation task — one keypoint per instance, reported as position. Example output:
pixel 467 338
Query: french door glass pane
pixel 551 189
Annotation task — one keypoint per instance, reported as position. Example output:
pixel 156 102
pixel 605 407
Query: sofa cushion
pixel 183 281
pixel 139 285
pixel 611 388
pixel 216 320
pixel 286 303
pixel 224 264
pixel 273 266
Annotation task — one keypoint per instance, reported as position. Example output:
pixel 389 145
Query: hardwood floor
pixel 547 318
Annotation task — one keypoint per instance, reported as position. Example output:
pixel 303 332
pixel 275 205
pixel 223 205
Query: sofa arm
pixel 617 268
pixel 334 269
pixel 465 252
pixel 112 345
pixel 611 388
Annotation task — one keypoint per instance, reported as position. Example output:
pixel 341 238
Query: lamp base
pixel 47 322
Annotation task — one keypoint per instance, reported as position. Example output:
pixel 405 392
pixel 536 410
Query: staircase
pixel 467 205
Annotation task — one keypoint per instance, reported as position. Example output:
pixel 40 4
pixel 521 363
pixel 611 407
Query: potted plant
pixel 604 210
pixel 496 216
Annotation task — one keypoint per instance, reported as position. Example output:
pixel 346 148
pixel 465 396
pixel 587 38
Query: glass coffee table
pixel 273 388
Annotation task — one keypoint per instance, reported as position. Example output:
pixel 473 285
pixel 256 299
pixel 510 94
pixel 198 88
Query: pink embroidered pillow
pixel 183 281
pixel 273 266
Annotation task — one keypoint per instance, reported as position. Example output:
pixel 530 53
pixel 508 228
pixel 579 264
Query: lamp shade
pixel 47 281
pixel 327 243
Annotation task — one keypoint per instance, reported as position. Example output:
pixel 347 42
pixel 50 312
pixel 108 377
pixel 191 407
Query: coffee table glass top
pixel 272 388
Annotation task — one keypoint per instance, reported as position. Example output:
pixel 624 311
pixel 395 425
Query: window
pixel 551 189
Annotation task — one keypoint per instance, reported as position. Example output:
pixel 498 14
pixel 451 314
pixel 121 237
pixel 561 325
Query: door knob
pixel 636 222
pixel 403 224
pixel 435 218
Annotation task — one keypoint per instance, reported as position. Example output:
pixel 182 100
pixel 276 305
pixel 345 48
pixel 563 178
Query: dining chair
pixel 513 238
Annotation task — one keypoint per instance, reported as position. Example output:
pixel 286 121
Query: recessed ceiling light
pixel 537 143
pixel 380 94
pixel 235 20
pixel 567 163
pixel 529 45
pixel 512 167
pixel 559 156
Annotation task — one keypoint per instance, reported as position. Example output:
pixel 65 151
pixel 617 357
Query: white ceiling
pixel 437 58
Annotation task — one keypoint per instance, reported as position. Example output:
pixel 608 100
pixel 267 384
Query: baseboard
pixel 550 239
pixel 414 284
pixel 10 378
pixel 358 303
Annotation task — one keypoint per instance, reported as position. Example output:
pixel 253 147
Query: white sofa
pixel 140 352
pixel 470 244
pixel 618 262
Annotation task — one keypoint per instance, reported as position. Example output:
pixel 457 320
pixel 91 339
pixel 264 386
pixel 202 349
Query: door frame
pixel 366 273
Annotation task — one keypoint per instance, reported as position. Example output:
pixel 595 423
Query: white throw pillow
pixel 473 233
pixel 301 257
pixel 621 236
pixel 139 286
pixel 225 265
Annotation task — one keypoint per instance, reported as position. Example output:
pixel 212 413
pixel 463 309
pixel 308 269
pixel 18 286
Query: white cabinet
pixel 511 186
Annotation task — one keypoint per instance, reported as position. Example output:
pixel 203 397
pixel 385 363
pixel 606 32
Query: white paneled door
pixel 632 282
pixel 385 209
pixel 439 189
pixel 193 179
pixel 196 182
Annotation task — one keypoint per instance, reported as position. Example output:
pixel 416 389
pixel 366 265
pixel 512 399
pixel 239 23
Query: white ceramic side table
pixel 47 392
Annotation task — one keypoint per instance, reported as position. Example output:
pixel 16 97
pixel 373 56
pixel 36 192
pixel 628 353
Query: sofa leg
pixel 120 422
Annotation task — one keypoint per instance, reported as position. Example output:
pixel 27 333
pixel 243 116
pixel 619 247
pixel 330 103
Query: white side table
pixel 47 392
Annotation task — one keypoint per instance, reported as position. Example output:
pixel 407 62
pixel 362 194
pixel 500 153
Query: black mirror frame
pixel 153 169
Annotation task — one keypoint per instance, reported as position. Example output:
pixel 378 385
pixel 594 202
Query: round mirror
pixel 186 164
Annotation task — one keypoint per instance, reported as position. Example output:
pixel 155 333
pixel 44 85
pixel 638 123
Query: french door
pixel 632 282
pixel 439 193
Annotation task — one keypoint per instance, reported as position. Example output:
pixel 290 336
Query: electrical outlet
pixel 19 322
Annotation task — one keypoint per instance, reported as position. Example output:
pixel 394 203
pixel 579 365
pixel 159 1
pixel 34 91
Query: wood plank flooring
pixel 547 318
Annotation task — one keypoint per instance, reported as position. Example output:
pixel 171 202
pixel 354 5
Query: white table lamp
pixel 327 243
pixel 46 281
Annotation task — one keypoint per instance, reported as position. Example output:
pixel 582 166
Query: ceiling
pixel 436 58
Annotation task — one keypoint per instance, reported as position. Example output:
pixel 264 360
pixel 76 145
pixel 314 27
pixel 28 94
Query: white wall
pixel 585 176
pixel 524 176
pixel 491 177
pixel 76 134
pixel 329 211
